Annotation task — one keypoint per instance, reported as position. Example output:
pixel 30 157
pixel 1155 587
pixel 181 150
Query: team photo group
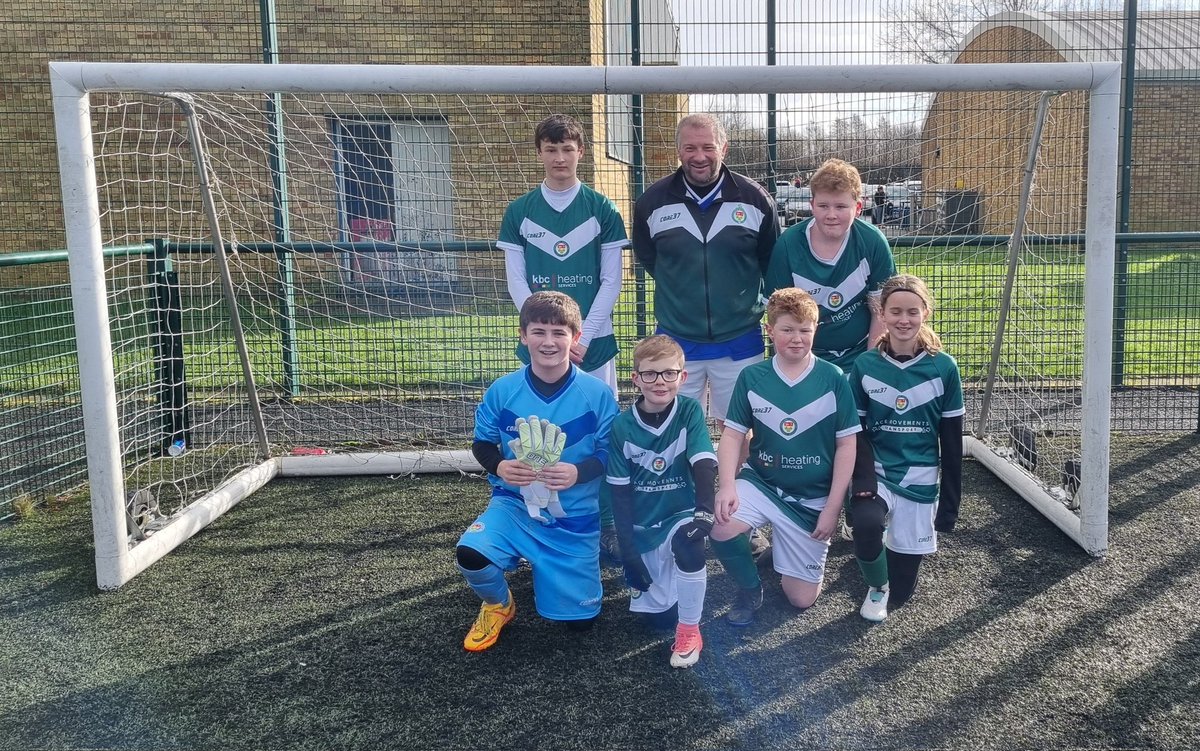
pixel 853 406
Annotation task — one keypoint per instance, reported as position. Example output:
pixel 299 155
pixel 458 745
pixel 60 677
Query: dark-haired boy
pixel 564 236
pixel 561 547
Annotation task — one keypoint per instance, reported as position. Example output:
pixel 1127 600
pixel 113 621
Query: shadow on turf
pixel 345 630
pixel 1172 469
pixel 813 675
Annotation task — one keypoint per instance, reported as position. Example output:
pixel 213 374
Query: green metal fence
pixel 776 140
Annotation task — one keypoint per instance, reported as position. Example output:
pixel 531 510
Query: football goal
pixel 320 293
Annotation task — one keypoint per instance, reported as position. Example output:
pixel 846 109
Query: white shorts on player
pixel 910 524
pixel 664 590
pixel 714 379
pixel 796 553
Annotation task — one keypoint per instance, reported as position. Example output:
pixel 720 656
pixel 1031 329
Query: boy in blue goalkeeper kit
pixel 564 236
pixel 542 435
pixel 802 422
pixel 910 399
pixel 661 469
pixel 840 260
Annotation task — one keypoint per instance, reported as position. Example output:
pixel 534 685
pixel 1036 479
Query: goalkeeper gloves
pixel 539 444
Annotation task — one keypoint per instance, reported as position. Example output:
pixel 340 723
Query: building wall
pixel 1165 180
pixel 493 158
pixel 978 142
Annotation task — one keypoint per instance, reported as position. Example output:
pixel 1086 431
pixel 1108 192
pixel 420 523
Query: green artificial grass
pixel 346 348
pixel 327 613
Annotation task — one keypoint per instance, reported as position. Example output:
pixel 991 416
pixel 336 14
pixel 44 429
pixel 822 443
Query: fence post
pixel 1121 270
pixel 167 306
pixel 638 167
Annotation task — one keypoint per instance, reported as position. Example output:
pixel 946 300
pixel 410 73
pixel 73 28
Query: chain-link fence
pixel 942 163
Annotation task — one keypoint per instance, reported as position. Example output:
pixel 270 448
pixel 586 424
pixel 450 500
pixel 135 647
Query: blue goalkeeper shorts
pixel 565 556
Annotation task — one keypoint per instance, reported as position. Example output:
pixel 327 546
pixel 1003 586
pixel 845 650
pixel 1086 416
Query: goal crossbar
pixel 151 78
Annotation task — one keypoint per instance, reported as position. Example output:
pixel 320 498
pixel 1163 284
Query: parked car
pixel 795 206
pixel 903 201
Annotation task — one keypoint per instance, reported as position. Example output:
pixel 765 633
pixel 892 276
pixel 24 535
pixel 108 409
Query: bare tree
pixel 929 31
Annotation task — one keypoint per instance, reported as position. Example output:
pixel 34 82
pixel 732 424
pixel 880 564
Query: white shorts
pixel 664 590
pixel 607 373
pixel 719 376
pixel 910 526
pixel 796 553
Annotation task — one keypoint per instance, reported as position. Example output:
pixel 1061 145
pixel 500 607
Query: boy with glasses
pixel 661 472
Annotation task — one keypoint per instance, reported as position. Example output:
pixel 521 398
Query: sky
pixel 814 32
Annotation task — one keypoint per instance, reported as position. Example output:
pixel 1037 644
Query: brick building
pixel 481 162
pixel 974 143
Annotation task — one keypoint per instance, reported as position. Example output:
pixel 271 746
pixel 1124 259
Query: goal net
pixel 309 282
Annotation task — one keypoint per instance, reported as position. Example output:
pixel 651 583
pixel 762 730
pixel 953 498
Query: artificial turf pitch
pixel 328 614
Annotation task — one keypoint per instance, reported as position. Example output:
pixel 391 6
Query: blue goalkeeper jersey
pixel 584 408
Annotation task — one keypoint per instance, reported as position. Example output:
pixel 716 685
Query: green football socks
pixel 735 556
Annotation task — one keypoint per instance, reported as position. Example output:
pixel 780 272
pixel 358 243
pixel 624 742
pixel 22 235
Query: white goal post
pixel 102 205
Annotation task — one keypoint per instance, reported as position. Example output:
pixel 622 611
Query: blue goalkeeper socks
pixel 488 582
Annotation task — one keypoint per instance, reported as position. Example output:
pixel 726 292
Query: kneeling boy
pixel 802 418
pixel 661 470
pixel 562 540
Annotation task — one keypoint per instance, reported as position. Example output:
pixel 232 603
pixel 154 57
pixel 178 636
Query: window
pixel 394 186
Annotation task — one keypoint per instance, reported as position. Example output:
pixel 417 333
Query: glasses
pixel 650 376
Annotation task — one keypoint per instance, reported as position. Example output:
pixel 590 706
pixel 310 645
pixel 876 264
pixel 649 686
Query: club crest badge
pixel 561 248
pixel 901 403
pixel 739 215
pixel 788 426
pixel 836 299
pixel 659 464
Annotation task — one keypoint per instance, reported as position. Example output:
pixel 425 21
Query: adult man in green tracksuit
pixel 705 235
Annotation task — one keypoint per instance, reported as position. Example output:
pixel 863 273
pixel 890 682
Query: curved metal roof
pixel 1166 41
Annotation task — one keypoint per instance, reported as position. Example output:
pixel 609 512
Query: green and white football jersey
pixel 796 424
pixel 902 405
pixel 562 251
pixel 841 286
pixel 657 463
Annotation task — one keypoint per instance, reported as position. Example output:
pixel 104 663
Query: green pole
pixel 1121 272
pixel 637 167
pixel 279 205
pixel 772 111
